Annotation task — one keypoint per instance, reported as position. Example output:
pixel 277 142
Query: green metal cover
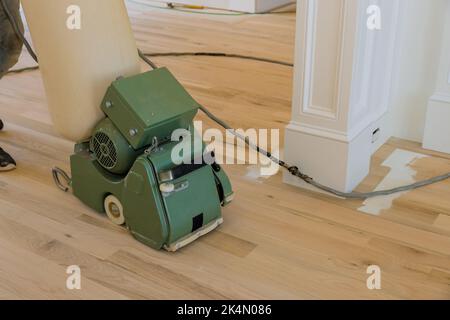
pixel 148 105
pixel 153 218
pixel 197 196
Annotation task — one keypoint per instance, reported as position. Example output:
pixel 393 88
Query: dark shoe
pixel 7 163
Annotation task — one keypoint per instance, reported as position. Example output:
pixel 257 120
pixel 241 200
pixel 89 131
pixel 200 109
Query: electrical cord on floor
pixel 143 56
pixel 217 54
pixel 294 170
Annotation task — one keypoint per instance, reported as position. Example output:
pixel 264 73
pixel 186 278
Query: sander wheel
pixel 114 210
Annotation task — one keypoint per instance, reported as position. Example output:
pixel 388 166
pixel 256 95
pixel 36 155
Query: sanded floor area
pixel 277 242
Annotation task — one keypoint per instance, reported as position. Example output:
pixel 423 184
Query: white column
pixel 342 86
pixel 437 126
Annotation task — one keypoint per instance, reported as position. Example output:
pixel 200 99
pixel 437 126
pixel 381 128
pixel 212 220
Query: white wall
pixel 419 47
pixel 437 128
pixel 444 72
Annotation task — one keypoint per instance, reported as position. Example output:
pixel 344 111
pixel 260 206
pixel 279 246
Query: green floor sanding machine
pixel 127 168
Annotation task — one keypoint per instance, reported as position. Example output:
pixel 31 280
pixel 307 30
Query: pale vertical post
pixel 343 75
pixel 78 64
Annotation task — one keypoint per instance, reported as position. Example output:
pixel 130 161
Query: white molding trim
pixel 309 107
pixel 318 131
pixel 441 97
pixel 337 135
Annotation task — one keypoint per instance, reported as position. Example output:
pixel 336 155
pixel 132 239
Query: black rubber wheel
pixel 1 125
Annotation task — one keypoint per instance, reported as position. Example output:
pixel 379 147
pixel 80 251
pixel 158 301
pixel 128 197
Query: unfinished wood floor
pixel 277 242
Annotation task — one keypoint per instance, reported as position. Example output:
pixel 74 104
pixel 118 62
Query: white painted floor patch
pixel 401 174
pixel 254 173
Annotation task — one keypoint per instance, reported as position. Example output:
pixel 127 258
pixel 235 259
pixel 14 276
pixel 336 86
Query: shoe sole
pixel 9 167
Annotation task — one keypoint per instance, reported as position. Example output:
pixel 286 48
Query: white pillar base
pixel 331 158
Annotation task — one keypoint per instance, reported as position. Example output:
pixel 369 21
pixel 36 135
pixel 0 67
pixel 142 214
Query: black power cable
pixel 143 56
pixel 217 54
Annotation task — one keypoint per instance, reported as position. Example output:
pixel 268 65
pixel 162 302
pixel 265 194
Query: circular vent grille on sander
pixel 110 148
pixel 104 150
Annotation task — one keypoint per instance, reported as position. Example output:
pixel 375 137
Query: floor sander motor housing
pixel 126 169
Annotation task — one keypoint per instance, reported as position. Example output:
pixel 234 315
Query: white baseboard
pixel 437 128
pixel 267 5
pixel 250 6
